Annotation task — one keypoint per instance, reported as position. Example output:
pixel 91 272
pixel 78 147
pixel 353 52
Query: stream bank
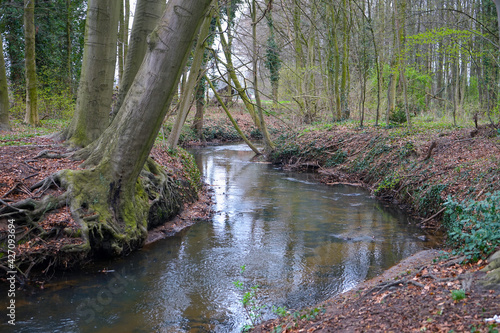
pixel 417 169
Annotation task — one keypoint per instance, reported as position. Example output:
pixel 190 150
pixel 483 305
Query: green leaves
pixel 474 226
pixel 450 41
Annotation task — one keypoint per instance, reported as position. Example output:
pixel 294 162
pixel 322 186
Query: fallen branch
pixel 433 216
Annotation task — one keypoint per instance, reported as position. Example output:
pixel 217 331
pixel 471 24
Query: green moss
pixel 389 183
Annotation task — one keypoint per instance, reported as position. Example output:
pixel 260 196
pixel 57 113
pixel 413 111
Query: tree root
pixel 47 153
pixel 54 231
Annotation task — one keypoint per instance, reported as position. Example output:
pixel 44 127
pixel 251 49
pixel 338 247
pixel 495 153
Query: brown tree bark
pixel 95 90
pixel 31 116
pixel 4 93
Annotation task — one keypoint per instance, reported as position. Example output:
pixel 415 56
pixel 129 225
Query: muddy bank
pixel 418 294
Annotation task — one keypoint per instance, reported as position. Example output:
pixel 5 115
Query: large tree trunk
pixel 121 152
pixel 118 195
pixel 95 90
pixel 4 93
pixel 31 116
pixel 146 16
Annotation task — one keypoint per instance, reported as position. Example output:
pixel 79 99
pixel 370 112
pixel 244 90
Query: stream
pixel 300 241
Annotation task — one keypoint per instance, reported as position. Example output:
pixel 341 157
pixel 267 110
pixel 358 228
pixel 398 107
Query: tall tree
pixel 4 93
pixel 497 5
pixel 273 61
pixel 255 57
pixel 95 90
pixel 31 116
pixel 188 89
pixel 110 199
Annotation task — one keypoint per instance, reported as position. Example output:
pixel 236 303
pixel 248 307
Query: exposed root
pixel 47 153
pixel 61 230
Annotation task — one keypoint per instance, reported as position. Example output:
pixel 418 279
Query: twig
pixel 433 216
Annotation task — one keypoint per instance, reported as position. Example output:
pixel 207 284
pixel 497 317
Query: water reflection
pixel 302 242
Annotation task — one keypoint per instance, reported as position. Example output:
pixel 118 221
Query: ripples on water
pixel 301 241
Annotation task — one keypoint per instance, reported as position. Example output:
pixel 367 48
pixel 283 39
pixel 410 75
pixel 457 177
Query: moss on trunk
pixel 107 222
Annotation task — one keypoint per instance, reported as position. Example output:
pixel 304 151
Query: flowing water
pixel 299 240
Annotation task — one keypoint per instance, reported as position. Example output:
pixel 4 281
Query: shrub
pixel 473 227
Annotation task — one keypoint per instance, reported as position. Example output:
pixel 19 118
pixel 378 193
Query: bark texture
pixel 121 193
pixel 4 93
pixel 187 92
pixel 146 16
pixel 118 157
pixel 95 90
pixel 31 116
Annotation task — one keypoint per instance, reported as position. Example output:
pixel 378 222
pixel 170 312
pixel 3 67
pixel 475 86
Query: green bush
pixel 473 227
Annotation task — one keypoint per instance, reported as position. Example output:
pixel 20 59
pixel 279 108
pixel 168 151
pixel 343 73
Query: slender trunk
pixel 235 124
pixel 234 78
pixel 391 96
pixel 400 26
pixel 456 91
pixel 299 61
pixel 200 107
pixel 4 93
pixel 187 91
pixel 95 90
pixel 267 139
pixel 228 98
pixel 69 46
pixel 497 4
pixel 344 83
pixel 377 63
pixel 31 116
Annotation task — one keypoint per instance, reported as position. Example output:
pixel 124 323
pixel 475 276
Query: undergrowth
pixel 473 227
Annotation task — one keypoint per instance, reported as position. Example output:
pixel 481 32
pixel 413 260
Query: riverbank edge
pixel 192 204
pixel 415 169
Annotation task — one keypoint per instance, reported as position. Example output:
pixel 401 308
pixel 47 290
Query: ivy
pixel 473 227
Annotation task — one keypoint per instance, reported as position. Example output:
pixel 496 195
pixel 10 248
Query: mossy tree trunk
pixel 4 93
pixel 120 191
pixel 117 158
pixel 95 90
pixel 146 16
pixel 31 116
